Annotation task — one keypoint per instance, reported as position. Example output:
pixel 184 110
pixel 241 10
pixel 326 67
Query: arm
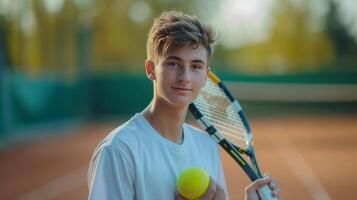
pixel 110 176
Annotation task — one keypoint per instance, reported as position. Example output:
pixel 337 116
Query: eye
pixel 197 67
pixel 172 64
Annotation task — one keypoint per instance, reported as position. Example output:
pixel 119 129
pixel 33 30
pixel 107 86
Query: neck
pixel 166 119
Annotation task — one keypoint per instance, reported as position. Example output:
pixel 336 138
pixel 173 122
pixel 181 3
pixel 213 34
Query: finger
pixel 261 183
pixel 211 191
pixel 256 185
pixel 178 196
pixel 220 193
pixel 273 184
pixel 276 192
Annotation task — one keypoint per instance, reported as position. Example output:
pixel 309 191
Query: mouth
pixel 182 90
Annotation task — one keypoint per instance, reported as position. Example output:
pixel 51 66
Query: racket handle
pixel 265 193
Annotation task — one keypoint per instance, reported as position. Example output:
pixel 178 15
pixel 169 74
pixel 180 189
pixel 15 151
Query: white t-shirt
pixel 135 162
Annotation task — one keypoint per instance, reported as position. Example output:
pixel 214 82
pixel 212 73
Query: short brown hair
pixel 174 29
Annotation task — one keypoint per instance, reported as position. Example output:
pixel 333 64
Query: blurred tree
pixel 115 38
pixel 44 39
pixel 4 57
pixel 344 44
pixel 118 41
pixel 42 42
pixel 292 45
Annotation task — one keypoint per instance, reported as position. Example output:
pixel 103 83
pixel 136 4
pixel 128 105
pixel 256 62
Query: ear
pixel 150 69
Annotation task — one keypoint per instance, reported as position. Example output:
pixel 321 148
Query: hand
pixel 214 192
pixel 251 191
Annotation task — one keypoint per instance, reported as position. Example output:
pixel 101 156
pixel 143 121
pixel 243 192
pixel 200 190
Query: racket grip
pixel 265 194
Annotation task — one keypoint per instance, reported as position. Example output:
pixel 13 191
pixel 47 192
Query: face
pixel 179 75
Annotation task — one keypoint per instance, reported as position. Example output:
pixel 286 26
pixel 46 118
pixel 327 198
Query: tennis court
pixel 71 71
pixel 313 157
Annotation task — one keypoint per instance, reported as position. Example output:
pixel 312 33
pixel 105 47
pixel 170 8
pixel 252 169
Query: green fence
pixel 27 102
pixel 118 93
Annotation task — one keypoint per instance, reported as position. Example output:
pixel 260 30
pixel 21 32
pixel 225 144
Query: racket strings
pixel 217 118
pixel 217 108
pixel 234 134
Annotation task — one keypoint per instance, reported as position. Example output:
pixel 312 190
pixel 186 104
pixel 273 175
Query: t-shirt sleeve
pixel 110 175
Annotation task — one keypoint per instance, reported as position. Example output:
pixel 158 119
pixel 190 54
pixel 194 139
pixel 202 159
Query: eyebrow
pixel 179 59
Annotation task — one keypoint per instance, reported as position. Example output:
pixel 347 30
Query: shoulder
pixel 124 137
pixel 120 143
pixel 115 148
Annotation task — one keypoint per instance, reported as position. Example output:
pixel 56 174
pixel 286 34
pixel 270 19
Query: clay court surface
pixel 313 157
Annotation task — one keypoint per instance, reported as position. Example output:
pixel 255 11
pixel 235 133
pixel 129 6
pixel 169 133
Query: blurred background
pixel 72 70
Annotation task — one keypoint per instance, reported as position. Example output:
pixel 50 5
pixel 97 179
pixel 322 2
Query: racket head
pixel 218 106
pixel 221 115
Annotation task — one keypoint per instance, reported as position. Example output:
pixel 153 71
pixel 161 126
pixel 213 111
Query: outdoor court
pixel 313 157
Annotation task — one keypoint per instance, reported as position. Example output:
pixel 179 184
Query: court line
pixel 299 166
pixel 59 186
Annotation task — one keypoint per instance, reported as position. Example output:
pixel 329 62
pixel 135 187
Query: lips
pixel 182 90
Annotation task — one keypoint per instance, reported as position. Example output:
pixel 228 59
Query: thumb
pixel 178 196
pixel 259 183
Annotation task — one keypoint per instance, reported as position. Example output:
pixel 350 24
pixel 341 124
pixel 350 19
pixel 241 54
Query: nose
pixel 184 76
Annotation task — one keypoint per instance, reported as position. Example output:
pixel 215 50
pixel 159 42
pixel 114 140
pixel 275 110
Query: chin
pixel 181 102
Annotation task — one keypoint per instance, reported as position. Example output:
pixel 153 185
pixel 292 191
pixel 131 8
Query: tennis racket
pixel 222 117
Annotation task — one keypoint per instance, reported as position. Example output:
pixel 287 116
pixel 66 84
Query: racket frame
pixel 253 170
pixel 238 108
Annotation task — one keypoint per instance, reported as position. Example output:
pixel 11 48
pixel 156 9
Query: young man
pixel 142 158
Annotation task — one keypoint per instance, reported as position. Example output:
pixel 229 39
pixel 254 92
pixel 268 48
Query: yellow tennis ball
pixel 193 183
